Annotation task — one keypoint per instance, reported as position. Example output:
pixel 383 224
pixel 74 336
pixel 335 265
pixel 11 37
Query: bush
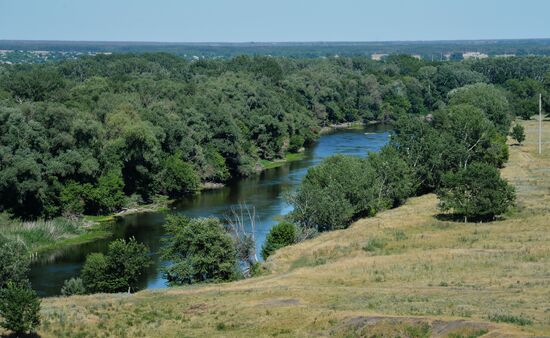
pixel 73 286
pixel 518 133
pixel 200 250
pixel 117 271
pixel 279 236
pixel 94 273
pixel 19 308
pixel 477 192
pixel 14 262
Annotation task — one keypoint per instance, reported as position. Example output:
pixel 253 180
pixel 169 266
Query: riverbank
pixel 44 236
pixel 424 277
pixel 91 228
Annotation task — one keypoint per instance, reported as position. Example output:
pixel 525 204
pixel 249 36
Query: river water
pixel 264 192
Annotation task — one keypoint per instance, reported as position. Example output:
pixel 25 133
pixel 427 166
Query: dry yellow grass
pixel 403 273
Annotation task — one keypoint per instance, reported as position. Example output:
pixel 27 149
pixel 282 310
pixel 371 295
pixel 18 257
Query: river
pixel 264 192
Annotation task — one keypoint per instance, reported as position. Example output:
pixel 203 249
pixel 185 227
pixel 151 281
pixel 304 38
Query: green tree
pixel 333 193
pixel 518 133
pixel 19 308
pixel 280 235
pixel 476 192
pixel 14 262
pixel 95 273
pixel 107 196
pixel 490 99
pixel 200 250
pixel 178 177
pixel 117 271
pixel 394 179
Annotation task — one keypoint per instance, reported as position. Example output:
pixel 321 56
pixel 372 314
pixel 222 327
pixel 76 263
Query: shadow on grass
pixel 457 218
pixel 20 335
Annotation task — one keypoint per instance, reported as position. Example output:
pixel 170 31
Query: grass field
pixel 402 273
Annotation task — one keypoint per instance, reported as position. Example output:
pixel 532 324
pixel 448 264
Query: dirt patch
pixel 197 308
pixel 408 327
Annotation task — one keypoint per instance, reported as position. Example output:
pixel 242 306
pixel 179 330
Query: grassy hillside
pixel 406 272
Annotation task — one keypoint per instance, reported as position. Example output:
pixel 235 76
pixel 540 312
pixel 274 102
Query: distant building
pixel 378 56
pixel 474 55
pixel 505 55
pixel 417 56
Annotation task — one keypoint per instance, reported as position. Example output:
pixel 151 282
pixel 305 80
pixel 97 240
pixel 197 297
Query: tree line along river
pixel 264 192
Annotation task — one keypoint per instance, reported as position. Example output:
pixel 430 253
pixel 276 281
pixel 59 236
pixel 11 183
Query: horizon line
pixel 274 42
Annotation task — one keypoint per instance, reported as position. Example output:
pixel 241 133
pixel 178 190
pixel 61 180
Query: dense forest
pixel 87 135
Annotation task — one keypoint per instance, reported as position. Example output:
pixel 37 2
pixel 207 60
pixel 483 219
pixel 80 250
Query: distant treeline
pixel 85 135
pixel 427 49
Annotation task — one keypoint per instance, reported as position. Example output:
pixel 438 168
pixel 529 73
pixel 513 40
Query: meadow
pixel 407 272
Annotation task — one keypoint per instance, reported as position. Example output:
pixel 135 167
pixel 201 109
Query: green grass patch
pixel 45 235
pixel 374 244
pixel 277 163
pixel 506 318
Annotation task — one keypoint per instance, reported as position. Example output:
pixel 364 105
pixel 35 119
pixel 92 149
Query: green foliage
pixel 334 192
pixel 117 271
pixel 518 133
pixel 374 244
pixel 343 188
pixel 79 136
pixel 476 192
pixel 14 262
pixel 507 318
pixel 200 250
pixel 178 177
pixel 280 235
pixel 107 196
pixel 19 308
pixel 490 99
pixel 95 274
pixel 73 286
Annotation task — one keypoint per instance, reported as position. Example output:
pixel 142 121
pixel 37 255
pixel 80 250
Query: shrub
pixel 19 308
pixel 506 318
pixel 117 271
pixel 518 133
pixel 200 250
pixel 279 236
pixel 14 261
pixel 374 244
pixel 73 286
pixel 477 191
pixel 94 273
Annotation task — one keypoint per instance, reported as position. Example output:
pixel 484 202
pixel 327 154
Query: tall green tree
pixel 199 250
pixel 476 192
pixel 117 271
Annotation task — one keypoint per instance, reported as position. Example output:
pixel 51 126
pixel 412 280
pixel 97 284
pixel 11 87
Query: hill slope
pixel 406 272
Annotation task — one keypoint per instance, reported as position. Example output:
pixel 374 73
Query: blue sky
pixel 272 20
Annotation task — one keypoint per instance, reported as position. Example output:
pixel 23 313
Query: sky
pixel 272 20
